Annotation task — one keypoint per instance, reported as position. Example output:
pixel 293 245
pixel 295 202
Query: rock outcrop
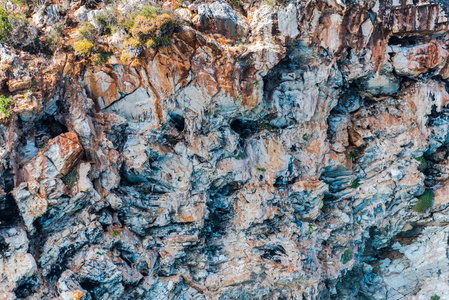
pixel 256 150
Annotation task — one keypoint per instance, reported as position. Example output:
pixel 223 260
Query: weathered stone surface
pixel 266 150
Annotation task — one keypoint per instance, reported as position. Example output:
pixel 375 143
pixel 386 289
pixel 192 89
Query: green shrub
pixel 265 126
pixel 107 21
pixel 163 41
pixel 145 28
pixel 355 184
pixel 100 57
pixel 5 26
pixel 353 154
pixel 435 297
pixel 148 11
pixel 240 155
pixel 54 38
pixel 276 2
pixel 17 31
pixel 422 163
pixel 70 179
pixel 125 56
pixel 236 3
pixel 424 201
pixel 347 256
pixel 149 28
pixel 87 32
pixel 4 106
pixel 82 47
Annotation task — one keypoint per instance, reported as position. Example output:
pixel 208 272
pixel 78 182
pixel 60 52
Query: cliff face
pixel 254 150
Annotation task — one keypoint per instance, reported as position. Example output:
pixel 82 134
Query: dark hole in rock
pixel 244 128
pixel 25 288
pixel 404 41
pixel 273 253
pixel 226 190
pixel 3 245
pixel 283 181
pixel 9 212
pixel 47 128
pixel 88 284
pixel 61 262
pixel 177 121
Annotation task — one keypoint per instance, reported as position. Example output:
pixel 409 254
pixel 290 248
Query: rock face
pixel 267 150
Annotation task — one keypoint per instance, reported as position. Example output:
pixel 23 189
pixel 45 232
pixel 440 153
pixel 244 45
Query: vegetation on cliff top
pixel 146 27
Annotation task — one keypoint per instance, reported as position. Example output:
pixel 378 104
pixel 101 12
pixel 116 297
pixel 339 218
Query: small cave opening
pixel 220 210
pixel 403 41
pixel 88 284
pixel 244 128
pixel 61 263
pixel 177 121
pixel 9 211
pixel 26 288
pixel 273 253
pixel 284 181
pixel 47 128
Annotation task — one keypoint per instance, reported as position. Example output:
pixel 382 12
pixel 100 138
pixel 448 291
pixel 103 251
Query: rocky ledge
pixel 224 149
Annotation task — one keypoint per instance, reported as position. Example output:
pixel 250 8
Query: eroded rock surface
pixel 269 150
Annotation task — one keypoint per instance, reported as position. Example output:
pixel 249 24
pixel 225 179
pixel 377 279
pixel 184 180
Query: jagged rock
pixel 81 14
pixel 96 272
pixel 413 61
pixel 268 149
pixel 45 169
pixel 381 85
pixel 69 288
pixel 18 272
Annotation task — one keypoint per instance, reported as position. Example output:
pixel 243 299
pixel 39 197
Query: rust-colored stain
pixel 77 295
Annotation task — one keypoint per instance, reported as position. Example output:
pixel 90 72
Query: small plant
pixel 115 233
pixel 240 156
pixel 310 228
pixel 107 21
pixel 422 163
pixel 304 137
pixel 100 57
pixel 83 47
pixel 164 40
pixel 276 2
pixel 70 179
pixel 125 57
pixel 256 84
pixel 355 184
pixel 4 106
pixel 435 297
pixel 99 253
pixel 353 154
pixel 265 126
pixel 347 256
pixel 87 32
pixel 139 215
pixel 424 201
pixel 236 3
pixel 261 169
pixel 5 26
pixel 145 28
